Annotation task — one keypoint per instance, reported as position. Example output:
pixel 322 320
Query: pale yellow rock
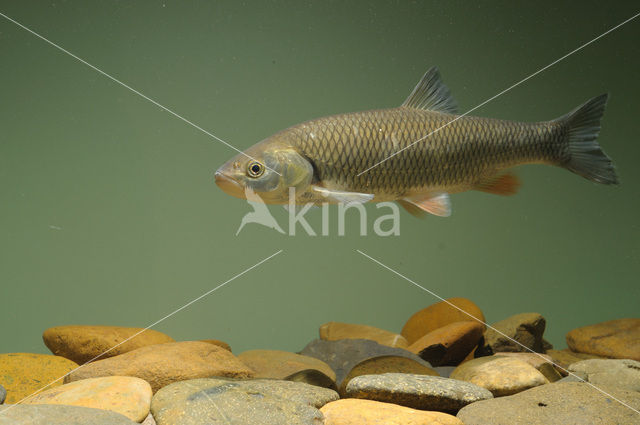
pixel 333 331
pixel 543 362
pixel 126 395
pixel 351 411
pixel 500 375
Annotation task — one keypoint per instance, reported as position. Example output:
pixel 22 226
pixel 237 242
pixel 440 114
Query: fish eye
pixel 255 169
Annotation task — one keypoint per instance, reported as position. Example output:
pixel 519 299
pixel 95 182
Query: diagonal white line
pixel 492 328
pixel 502 92
pixel 130 88
pixel 148 327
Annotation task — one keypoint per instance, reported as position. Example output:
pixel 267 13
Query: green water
pixel 109 213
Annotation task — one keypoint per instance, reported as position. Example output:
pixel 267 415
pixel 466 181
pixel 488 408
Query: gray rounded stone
pixel 50 414
pixel 417 391
pixel 560 403
pixel 619 373
pixel 257 401
pixel 3 394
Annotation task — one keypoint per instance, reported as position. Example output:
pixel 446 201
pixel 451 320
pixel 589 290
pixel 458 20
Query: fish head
pixel 267 169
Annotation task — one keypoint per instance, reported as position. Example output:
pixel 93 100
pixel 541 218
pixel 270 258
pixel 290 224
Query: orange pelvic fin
pixel 503 184
pixel 436 204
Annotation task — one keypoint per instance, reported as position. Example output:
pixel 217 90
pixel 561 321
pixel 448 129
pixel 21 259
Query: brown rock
pixel 618 339
pixel 564 358
pixel 23 374
pixel 218 343
pixel 126 395
pixel 542 362
pixel 333 331
pixel 525 328
pixel 500 375
pixel 352 411
pixel 289 366
pixel 163 364
pixel 448 345
pixel 84 343
pixel 438 315
pixel 385 364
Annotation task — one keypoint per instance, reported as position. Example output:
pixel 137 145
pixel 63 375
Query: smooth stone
pixel 218 343
pixel 288 366
pixel 227 401
pixel 542 362
pixel 345 354
pixel 500 375
pixel 525 328
pixel 149 420
pixel 3 394
pixel 565 358
pixel 352 411
pixel 618 373
pixel 333 331
pixel 444 371
pixel 450 344
pixel 568 403
pixel 84 343
pixel 417 391
pixel 23 374
pixel 164 364
pixel 440 314
pixel 126 395
pixel 618 339
pixel 51 414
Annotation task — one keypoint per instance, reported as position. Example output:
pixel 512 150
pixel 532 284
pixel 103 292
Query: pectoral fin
pixel 504 184
pixel 339 196
pixel 436 204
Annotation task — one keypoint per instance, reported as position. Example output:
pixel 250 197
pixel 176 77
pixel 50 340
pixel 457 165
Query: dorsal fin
pixel 431 94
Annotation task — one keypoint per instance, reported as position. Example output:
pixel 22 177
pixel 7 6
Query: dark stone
pixel 3 394
pixel 525 328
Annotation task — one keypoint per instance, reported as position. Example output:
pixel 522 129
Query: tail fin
pixel 586 156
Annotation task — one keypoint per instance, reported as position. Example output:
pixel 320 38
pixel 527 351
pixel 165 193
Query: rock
pixel 3 394
pixel 448 345
pixel 618 339
pixel 444 371
pixel 50 414
pixel 354 357
pixel 566 357
pixel 289 366
pixel 568 403
pixel 149 420
pixel 126 395
pixel 500 375
pixel 23 374
pixel 218 343
pixel 259 401
pixel 526 328
pixel 367 412
pixel 542 362
pixel 84 343
pixel 163 364
pixel 333 331
pixel 618 373
pixel 417 391
pixel 438 315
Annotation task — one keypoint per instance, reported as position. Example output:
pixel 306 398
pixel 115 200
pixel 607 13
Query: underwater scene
pixel 319 212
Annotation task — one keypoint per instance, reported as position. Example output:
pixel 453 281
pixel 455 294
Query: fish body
pixel 416 154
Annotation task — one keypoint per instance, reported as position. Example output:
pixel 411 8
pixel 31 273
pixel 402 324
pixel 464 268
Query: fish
pixel 416 154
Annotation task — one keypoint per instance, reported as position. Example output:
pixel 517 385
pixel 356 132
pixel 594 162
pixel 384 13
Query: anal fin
pixel 503 184
pixel 436 204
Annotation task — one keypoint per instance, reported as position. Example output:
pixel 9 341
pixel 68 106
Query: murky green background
pixel 109 213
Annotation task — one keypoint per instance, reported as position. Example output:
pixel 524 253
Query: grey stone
pixel 618 373
pixel 417 391
pixel 525 328
pixel 344 354
pixel 3 394
pixel 149 420
pixel 568 403
pixel 257 401
pixel 51 414
pixel 444 371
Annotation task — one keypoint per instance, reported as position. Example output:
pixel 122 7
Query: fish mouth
pixel 229 185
